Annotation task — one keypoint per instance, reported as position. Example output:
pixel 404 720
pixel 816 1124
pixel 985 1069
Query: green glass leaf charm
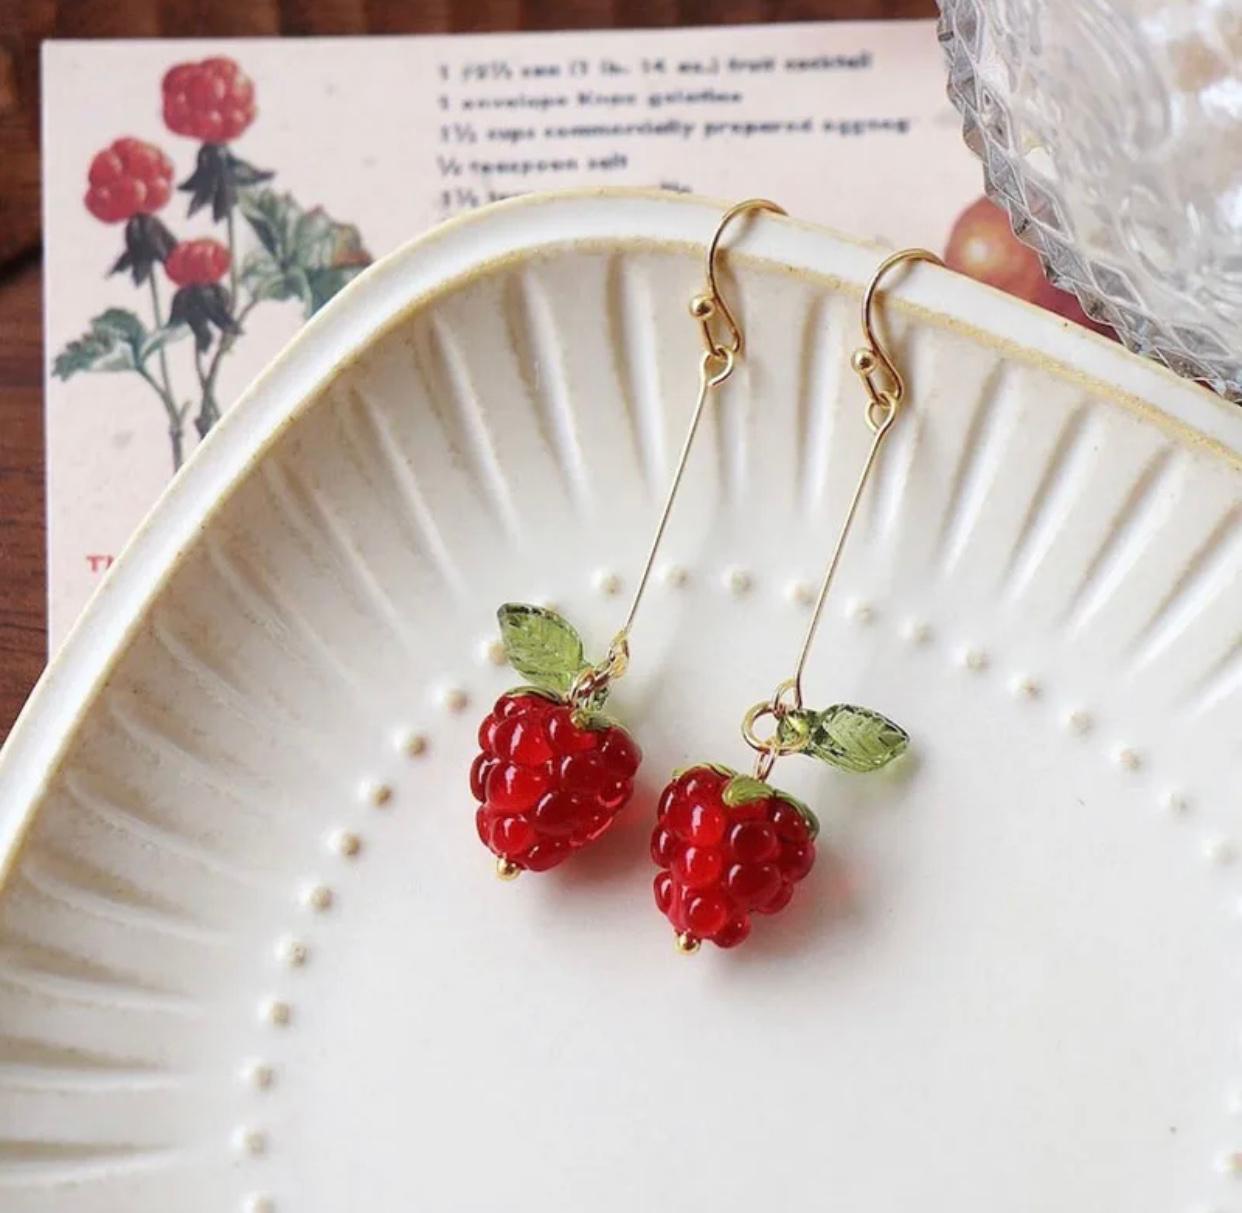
pixel 541 645
pixel 853 738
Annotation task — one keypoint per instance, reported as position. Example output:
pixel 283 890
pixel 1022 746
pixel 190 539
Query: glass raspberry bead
pixel 723 856
pixel 547 785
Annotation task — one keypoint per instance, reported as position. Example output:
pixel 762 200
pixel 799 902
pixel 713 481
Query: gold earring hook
pixel 715 366
pixel 711 303
pixel 872 357
pixel 868 360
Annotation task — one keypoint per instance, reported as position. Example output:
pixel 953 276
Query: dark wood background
pixel 25 23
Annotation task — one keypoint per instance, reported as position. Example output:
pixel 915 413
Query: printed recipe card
pixel 203 199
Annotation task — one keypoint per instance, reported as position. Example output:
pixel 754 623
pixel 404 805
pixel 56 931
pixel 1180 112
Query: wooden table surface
pixel 25 23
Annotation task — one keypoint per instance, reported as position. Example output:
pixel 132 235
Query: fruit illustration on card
pixel 266 247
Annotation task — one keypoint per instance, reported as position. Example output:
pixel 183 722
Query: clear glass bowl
pixel 1112 135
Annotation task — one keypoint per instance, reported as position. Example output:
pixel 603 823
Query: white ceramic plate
pixel 252 955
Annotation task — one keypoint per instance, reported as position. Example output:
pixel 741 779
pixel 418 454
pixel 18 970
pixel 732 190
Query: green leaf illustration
pixel 306 254
pixel 853 738
pixel 541 645
pixel 326 282
pixel 116 341
pixel 268 214
pixel 161 337
pixel 742 789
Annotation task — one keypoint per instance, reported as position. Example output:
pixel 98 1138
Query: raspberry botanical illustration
pixel 196 267
pixel 195 262
pixel 552 771
pixel 128 182
pixel 298 253
pixel 212 100
pixel 128 178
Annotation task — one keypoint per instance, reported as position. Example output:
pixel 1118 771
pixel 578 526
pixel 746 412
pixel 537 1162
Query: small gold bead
pixel 687 945
pixel 506 869
pixel 863 361
pixel 701 307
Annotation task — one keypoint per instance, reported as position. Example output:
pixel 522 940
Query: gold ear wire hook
pixel 711 303
pixel 882 402
pixel 871 357
pixel 715 366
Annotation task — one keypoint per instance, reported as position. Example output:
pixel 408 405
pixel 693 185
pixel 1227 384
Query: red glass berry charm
pixel 212 100
pixel 197 262
pixel 128 178
pixel 553 772
pixel 728 846
pixel 547 786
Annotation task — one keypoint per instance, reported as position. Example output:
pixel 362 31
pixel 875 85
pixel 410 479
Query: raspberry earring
pixel 730 845
pixel 553 771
